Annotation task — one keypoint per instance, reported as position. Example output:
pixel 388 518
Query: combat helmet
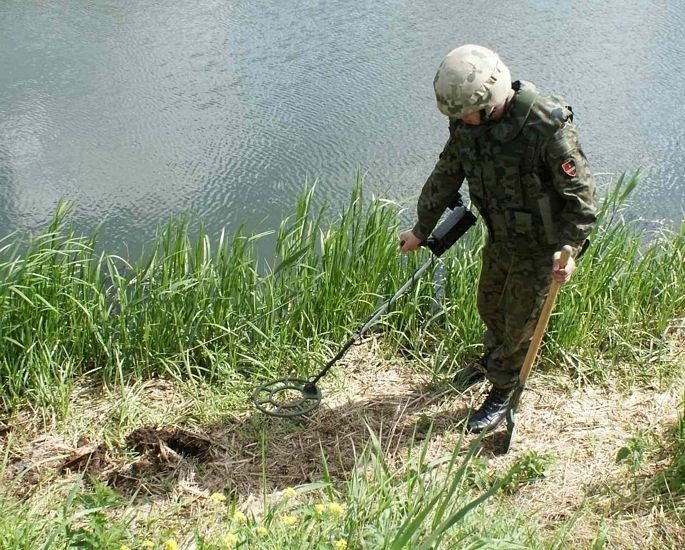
pixel 471 78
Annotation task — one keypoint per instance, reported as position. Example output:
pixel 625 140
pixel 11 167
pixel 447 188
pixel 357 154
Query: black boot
pixel 472 373
pixel 491 412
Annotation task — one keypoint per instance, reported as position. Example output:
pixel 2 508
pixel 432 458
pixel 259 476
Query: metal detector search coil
pixel 289 397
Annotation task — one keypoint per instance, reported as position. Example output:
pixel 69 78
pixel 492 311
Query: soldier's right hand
pixel 409 242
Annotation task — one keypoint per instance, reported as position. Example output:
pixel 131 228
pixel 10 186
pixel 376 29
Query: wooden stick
pixel 541 325
pixel 533 349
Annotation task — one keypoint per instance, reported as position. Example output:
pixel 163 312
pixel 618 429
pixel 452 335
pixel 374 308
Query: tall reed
pixel 193 307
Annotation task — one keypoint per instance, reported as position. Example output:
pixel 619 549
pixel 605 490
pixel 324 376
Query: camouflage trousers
pixel 511 291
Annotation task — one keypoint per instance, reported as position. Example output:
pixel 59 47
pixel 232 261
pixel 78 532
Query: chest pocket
pixel 540 200
pixel 506 163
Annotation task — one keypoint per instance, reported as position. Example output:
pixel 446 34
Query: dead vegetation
pixel 580 429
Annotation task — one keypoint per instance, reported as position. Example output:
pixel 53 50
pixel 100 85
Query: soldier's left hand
pixel 562 274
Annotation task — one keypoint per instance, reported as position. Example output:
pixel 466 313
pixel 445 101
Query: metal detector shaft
pixel 371 320
pixel 289 397
pixel 458 220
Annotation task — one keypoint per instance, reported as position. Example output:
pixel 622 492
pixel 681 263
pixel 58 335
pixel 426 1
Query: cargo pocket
pixel 499 227
pixel 522 222
pixel 545 206
pixel 531 184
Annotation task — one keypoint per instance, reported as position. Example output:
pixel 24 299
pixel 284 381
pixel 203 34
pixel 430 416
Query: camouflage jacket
pixel 526 174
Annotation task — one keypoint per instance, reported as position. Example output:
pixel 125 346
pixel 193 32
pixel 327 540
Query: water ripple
pixel 139 112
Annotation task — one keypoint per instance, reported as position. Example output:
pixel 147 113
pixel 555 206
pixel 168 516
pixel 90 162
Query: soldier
pixel 530 181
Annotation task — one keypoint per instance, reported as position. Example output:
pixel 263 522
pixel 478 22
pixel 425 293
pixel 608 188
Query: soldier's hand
pixel 409 242
pixel 562 274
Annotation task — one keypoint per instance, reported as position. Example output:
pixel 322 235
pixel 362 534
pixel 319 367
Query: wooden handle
pixel 566 251
pixel 541 325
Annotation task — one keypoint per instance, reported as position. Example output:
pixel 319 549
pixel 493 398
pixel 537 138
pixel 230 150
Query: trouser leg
pixel 511 292
pixel 493 276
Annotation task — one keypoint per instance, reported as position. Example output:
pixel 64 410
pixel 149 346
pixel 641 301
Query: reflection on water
pixel 136 112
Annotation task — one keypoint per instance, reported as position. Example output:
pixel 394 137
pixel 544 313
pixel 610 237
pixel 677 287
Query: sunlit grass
pixel 217 319
pixel 423 506
pixel 197 308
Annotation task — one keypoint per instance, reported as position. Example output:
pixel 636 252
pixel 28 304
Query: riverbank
pixel 162 460
pixel 126 395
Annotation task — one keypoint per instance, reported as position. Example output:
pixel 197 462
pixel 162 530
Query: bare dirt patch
pixel 580 429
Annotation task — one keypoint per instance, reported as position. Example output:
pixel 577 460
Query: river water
pixel 136 112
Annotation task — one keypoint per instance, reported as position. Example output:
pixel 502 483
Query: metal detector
pixel 288 397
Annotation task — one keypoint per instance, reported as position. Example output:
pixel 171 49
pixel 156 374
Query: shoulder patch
pixel 569 167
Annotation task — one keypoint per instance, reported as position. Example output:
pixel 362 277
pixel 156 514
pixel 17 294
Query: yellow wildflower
pixel 239 517
pixel 319 509
pixel 289 492
pixel 229 540
pixel 170 544
pixel 290 520
pixel 124 547
pixel 261 530
pixel 341 544
pixel 336 509
pixel 217 498
pixel 148 544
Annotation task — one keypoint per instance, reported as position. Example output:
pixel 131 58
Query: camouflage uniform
pixel 531 183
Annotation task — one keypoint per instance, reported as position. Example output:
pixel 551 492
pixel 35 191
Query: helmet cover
pixel 471 78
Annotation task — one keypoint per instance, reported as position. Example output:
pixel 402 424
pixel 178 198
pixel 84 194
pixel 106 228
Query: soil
pixel 580 429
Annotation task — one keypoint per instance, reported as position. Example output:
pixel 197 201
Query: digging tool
pixel 533 349
pixel 289 397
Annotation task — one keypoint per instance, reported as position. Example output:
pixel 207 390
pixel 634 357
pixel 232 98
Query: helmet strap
pixel 486 114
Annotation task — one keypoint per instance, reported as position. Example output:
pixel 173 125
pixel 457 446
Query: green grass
pixel 211 310
pixel 212 314
pixel 628 295
pixel 431 502
pixel 426 505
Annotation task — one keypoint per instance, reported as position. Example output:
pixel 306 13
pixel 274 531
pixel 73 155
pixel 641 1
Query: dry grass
pixel 159 456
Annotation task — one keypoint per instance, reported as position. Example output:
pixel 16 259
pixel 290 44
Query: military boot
pixel 491 412
pixel 472 373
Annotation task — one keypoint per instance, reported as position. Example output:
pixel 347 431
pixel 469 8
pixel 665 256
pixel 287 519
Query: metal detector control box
pixel 455 224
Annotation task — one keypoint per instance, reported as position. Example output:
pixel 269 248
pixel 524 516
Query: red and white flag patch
pixel 569 167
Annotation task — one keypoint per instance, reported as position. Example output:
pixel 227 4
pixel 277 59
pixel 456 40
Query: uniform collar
pixel 510 125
